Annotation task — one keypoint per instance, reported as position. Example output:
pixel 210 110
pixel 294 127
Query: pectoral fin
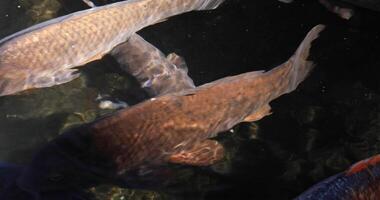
pixel 177 61
pixel 52 78
pixel 258 114
pixel 202 154
pixel 89 3
pixel 156 73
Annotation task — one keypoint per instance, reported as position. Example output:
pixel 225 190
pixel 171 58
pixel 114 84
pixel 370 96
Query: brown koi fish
pixel 158 73
pixel 137 143
pixel 46 54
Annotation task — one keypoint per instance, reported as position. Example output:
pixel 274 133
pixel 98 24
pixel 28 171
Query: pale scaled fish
pixel 46 54
pixel 165 74
pixel 134 146
pixel 158 74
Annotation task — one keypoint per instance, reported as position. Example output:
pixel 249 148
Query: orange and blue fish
pixel 360 182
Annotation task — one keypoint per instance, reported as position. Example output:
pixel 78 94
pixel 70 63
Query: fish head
pixel 8 182
pixel 64 164
pixel 49 171
pixel 8 176
pixel 9 173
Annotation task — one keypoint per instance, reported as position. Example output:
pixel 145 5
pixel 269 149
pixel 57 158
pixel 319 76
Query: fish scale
pixel 129 146
pixel 40 55
pixel 196 114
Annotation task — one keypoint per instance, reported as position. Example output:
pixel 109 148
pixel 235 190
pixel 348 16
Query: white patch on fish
pixel 107 104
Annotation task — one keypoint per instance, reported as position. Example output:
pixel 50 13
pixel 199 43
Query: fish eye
pixel 55 177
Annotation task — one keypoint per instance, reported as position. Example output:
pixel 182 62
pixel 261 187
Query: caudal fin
pixel 210 4
pixel 297 68
pixel 301 66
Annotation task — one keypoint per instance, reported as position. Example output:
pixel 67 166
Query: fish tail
pixel 209 4
pixel 297 68
pixel 301 66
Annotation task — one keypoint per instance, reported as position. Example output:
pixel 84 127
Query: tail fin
pixel 302 66
pixel 297 68
pixel 209 4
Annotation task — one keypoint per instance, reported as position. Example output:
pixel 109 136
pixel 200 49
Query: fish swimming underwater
pixel 157 73
pixel 46 54
pixel 360 182
pixel 137 142
pixel 164 74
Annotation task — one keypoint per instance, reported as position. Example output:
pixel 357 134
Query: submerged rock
pixel 114 193
pixel 41 10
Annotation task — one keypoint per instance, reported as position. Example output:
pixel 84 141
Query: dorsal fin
pixel 177 61
pixel 155 72
pixel 363 165
pixel 258 114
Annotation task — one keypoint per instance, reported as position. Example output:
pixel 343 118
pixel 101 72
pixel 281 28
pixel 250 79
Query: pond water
pixel 331 121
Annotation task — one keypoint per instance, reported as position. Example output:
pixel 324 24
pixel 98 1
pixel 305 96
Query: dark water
pixel 331 121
